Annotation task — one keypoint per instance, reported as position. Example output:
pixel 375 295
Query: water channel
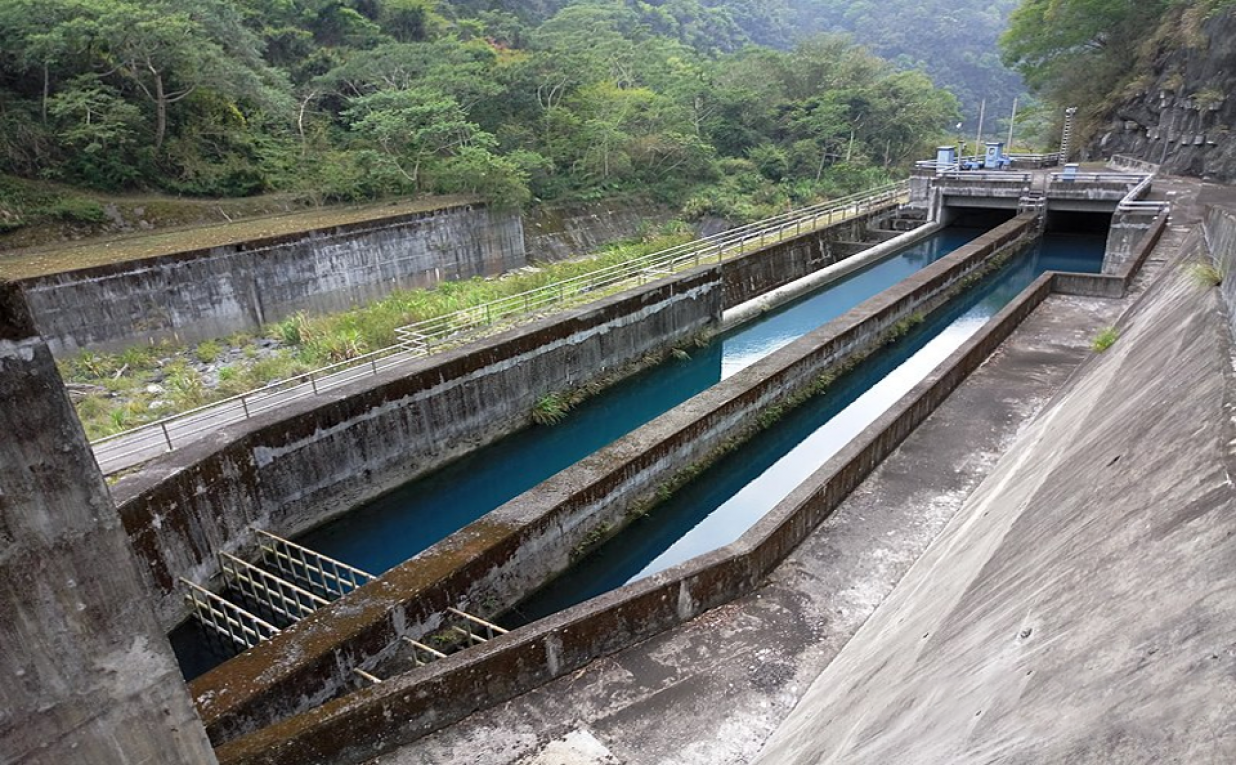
pixel 389 530
pixel 726 500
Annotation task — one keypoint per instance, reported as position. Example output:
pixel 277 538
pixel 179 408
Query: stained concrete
pixel 1080 608
pixel 714 689
pixel 86 676
pixel 212 292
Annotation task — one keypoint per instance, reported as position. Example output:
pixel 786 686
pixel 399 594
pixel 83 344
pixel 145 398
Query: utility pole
pixel 1012 120
pixel 978 136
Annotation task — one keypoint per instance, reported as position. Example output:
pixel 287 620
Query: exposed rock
pixel 1183 117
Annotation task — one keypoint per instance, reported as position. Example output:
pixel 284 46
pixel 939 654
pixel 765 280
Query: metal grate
pixel 226 619
pixel 320 574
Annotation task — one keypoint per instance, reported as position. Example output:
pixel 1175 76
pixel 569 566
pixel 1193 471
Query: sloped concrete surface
pixel 1081 607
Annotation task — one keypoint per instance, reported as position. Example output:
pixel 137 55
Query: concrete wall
pixel 202 294
pixel 1126 231
pixel 1219 227
pixel 370 721
pixel 746 278
pixel 519 547
pixel 560 232
pixel 88 676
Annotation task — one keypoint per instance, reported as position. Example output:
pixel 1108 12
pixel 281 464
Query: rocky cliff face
pixel 1181 111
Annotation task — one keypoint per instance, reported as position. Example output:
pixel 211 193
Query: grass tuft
pixel 1104 340
pixel 1205 273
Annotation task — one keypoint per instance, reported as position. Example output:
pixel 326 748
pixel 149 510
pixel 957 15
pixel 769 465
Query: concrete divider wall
pixel 295 468
pixel 368 722
pixel 531 539
pixel 202 294
pixel 793 259
pixel 1114 285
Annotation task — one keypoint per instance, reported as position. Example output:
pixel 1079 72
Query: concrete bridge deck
pixel 715 690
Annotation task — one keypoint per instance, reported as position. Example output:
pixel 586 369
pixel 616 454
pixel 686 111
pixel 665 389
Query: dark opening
pixel 1065 222
pixel 979 217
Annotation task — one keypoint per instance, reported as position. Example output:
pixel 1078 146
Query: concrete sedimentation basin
pixel 515 549
pixel 293 698
pixel 451 688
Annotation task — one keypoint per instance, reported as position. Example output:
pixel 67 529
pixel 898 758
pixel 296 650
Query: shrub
pixel 208 352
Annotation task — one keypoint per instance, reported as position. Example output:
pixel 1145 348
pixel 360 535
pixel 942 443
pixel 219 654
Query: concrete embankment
pixel 1079 608
pixel 529 540
pixel 202 294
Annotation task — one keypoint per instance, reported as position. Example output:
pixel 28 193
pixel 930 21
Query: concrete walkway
pixel 714 690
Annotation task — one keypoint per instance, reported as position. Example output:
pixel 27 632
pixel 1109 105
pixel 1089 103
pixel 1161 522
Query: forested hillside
pixel 357 99
pixel 953 42
pixel 1151 79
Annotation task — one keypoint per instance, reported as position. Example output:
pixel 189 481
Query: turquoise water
pixel 393 528
pixel 726 500
pixel 389 530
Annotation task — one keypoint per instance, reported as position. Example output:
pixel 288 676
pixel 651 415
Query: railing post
pixel 244 404
pixel 313 383
pixel 166 436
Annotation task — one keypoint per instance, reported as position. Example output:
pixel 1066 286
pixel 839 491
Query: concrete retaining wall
pixel 370 721
pixel 1219 227
pixel 557 233
pixel 517 548
pixel 202 294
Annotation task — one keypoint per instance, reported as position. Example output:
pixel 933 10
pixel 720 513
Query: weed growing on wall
pixel 1205 273
pixel 1104 340
pixel 550 409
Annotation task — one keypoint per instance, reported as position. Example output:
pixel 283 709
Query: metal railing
pixel 1133 203
pixel 1050 158
pixel 931 164
pixel 277 595
pixel 423 338
pixel 468 623
pixel 1120 178
pixel 316 572
pixel 227 619
pixel 464 631
pixel 988 176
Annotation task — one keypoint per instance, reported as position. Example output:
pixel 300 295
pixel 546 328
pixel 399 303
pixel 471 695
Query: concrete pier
pixel 85 674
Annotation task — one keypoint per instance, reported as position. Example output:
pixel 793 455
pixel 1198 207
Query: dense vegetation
pixel 955 43
pixel 1095 53
pixel 353 99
